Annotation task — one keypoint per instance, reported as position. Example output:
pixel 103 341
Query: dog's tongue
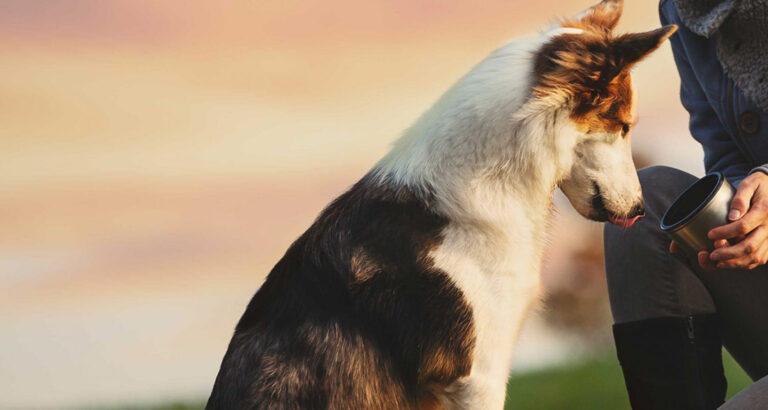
pixel 624 222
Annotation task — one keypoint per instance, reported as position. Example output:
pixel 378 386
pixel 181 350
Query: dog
pixel 409 289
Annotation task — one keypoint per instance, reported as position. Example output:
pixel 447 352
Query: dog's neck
pixel 485 150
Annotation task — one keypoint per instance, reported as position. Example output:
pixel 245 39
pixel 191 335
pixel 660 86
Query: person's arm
pixel 743 243
pixel 720 150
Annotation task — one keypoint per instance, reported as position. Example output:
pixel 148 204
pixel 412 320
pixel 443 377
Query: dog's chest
pixel 499 282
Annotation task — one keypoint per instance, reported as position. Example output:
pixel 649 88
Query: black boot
pixel 672 363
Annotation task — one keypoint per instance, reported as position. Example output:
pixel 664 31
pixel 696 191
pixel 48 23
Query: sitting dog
pixel 408 291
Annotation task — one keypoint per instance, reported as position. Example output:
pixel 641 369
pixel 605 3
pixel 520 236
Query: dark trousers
pixel 645 281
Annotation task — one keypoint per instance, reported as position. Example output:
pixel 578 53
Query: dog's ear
pixel 604 15
pixel 628 49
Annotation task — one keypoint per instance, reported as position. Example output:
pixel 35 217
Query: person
pixel 674 312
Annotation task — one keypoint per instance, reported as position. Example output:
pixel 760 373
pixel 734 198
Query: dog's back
pixel 409 290
pixel 353 316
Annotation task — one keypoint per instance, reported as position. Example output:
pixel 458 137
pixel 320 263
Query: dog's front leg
pixel 476 392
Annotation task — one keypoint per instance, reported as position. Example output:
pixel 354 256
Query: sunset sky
pixel 159 156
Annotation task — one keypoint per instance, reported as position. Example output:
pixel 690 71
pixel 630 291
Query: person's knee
pixel 663 172
pixel 661 185
pixel 644 280
pixel 754 396
pixel 644 239
pixel 620 242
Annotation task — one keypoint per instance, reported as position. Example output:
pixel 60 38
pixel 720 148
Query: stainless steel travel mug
pixel 701 207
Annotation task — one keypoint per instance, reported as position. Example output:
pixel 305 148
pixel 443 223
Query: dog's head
pixel 587 67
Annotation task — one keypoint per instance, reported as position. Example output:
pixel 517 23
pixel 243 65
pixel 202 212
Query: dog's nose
pixel 638 210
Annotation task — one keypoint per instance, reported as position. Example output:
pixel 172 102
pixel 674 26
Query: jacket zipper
pixel 736 131
pixel 691 332
pixel 698 382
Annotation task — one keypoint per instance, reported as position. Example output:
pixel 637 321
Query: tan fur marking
pixel 592 68
pixel 361 265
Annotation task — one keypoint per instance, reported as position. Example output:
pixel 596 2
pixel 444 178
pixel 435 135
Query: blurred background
pixel 158 157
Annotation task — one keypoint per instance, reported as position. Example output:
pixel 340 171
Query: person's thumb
pixel 741 200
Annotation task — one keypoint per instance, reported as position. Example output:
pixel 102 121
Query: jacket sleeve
pixel 720 150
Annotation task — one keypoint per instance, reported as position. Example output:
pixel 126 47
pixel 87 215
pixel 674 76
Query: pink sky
pixel 158 157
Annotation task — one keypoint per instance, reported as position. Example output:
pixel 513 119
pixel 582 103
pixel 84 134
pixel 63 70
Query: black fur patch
pixel 354 315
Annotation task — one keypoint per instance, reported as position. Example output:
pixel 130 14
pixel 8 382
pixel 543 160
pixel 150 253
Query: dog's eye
pixel 624 129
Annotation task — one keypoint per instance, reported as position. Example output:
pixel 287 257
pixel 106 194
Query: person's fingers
pixel 737 263
pixel 703 257
pixel 736 239
pixel 742 199
pixel 705 262
pixel 754 218
pixel 747 261
pixel 750 244
pixel 761 257
pixel 674 247
pixel 741 262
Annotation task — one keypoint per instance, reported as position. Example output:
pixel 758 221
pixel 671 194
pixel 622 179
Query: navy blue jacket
pixel 732 130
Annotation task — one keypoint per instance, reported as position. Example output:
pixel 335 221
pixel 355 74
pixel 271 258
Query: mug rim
pixel 682 222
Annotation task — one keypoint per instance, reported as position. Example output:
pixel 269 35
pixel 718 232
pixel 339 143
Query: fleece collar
pixel 740 28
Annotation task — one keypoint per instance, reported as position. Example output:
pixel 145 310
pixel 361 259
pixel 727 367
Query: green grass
pixel 593 385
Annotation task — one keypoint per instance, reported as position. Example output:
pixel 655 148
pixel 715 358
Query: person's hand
pixel 704 261
pixel 746 237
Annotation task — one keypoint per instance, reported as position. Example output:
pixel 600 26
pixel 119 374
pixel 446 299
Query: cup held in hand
pixel 701 207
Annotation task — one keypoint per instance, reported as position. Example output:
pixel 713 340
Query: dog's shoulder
pixel 357 297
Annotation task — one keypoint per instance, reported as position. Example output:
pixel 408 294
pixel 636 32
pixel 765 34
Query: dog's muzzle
pixel 603 214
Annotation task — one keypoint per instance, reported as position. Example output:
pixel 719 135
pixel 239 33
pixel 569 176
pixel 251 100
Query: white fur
pixel 491 156
pixel 606 161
